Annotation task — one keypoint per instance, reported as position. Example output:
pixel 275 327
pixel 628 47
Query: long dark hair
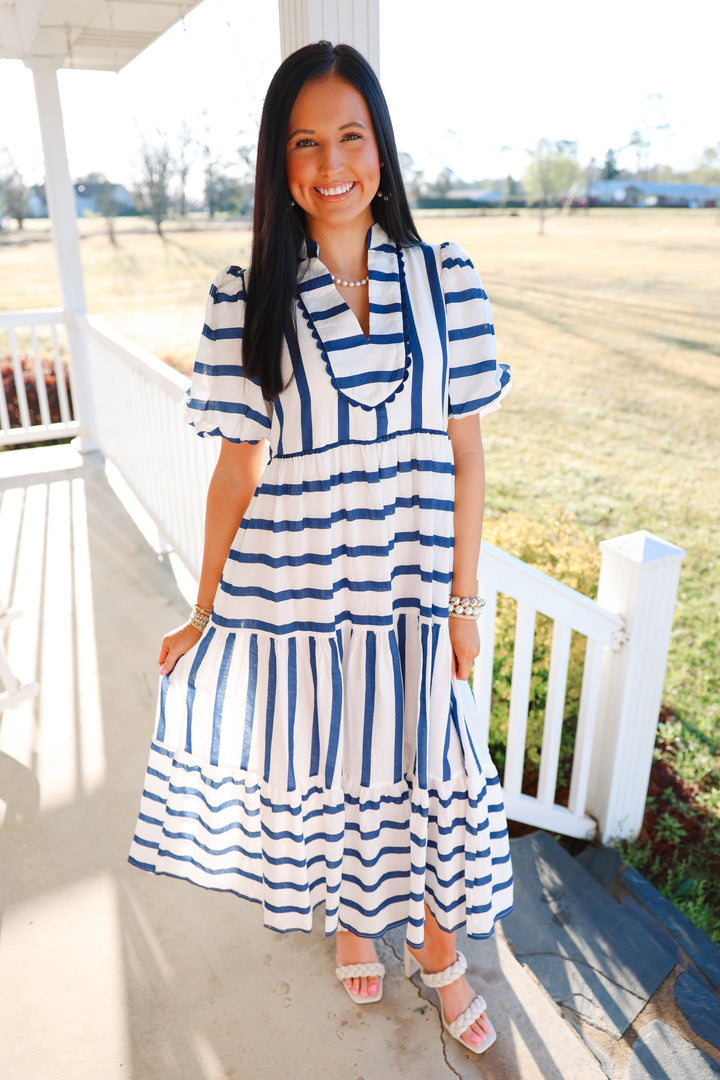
pixel 279 228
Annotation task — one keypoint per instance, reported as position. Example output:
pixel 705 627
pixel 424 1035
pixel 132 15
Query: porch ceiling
pixel 101 35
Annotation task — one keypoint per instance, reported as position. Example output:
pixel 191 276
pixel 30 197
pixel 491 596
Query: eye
pixel 303 142
pixel 351 136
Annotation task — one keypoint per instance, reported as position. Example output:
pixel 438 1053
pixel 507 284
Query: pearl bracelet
pixel 465 607
pixel 200 618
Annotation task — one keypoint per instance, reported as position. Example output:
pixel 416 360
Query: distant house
pixel 88 199
pixel 651 193
pixel 462 199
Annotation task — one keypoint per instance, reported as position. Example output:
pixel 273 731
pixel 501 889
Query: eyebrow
pixel 311 131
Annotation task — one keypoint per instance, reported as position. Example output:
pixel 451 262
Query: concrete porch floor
pixel 109 973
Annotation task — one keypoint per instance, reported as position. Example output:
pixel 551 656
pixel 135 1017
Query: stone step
pixel 625 982
pixel 590 955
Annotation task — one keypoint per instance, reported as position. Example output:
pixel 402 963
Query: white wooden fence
pixel 135 402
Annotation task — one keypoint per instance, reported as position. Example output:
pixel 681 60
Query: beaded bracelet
pixel 200 617
pixel 465 607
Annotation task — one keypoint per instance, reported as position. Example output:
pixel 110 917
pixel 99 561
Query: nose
pixel 331 161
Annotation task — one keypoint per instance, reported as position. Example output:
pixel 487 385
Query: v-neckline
pixel 368 370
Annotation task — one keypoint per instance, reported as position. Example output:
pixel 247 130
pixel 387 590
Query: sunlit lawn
pixel 611 323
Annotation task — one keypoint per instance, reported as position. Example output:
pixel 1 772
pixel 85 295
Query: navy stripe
pixel 270 709
pixel 362 378
pixel 359 476
pixel 235 407
pixel 222 333
pixel 223 297
pixel 399 710
pixel 386 309
pixel 382 421
pixel 352 552
pixel 202 648
pixel 465 294
pixel 315 737
pixel 422 728
pixel 292 701
pixel 370 648
pixel 469 370
pixel 340 617
pixel 280 413
pixel 315 283
pixel 306 418
pixel 164 684
pixel 232 370
pixel 330 312
pixel 367 513
pixel 471 332
pixel 369 442
pixel 250 699
pixel 416 414
pixel 335 717
pixel 340 344
pixel 449 263
pixel 343 418
pixel 401 639
pixel 220 698
pixel 439 312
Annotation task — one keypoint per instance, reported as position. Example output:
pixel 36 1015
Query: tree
pixel 551 174
pixel 154 186
pixel 412 176
pixel 707 171
pixel 610 170
pixel 186 153
pixel 14 194
pixel 103 191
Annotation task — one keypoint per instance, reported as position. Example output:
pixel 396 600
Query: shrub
pixel 29 378
pixel 560 547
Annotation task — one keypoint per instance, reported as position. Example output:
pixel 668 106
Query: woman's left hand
pixel 465 644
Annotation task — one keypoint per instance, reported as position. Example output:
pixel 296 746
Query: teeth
pixel 339 189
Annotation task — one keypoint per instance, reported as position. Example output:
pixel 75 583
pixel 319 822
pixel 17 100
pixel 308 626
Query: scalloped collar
pixel 367 371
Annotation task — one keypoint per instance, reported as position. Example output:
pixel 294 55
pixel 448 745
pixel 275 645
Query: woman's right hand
pixel 176 644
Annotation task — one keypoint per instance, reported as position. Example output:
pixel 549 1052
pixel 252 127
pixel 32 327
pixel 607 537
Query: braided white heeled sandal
pixel 361 971
pixel 450 974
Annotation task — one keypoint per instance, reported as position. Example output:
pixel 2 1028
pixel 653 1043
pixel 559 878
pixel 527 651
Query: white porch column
pixel 63 217
pixel 638 579
pixel 352 22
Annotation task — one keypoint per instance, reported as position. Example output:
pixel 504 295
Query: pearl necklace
pixel 349 284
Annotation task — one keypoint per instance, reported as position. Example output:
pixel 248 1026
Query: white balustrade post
pixel 352 22
pixel 63 217
pixel 638 580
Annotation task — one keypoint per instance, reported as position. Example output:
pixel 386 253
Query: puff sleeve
pixel 477 382
pixel 222 399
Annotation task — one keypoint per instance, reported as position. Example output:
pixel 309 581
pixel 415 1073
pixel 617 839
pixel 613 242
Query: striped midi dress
pixel 313 747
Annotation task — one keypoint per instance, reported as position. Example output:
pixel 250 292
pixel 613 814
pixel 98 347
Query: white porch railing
pixel 135 404
pixel 40 338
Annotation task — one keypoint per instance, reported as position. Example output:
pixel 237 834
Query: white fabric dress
pixel 312 747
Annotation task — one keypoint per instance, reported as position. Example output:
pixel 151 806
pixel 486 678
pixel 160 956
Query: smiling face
pixel 332 161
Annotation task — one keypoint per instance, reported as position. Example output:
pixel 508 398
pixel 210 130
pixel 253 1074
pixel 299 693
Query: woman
pixel 315 739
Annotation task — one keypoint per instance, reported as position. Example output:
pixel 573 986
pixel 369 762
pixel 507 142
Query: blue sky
pixel 473 89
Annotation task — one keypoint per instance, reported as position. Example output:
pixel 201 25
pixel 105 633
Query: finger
pixel 164 650
pixel 170 661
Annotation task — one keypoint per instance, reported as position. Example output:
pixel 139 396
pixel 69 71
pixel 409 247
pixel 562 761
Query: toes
pixel 474 1035
pixel 353 985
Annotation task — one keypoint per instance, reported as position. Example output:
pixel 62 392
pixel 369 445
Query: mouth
pixel 337 191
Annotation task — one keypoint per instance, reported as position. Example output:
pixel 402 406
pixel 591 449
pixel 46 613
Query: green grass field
pixel 611 324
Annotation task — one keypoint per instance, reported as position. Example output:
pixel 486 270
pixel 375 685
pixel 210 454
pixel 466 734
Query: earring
pixel 291 204
pixel 381 195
